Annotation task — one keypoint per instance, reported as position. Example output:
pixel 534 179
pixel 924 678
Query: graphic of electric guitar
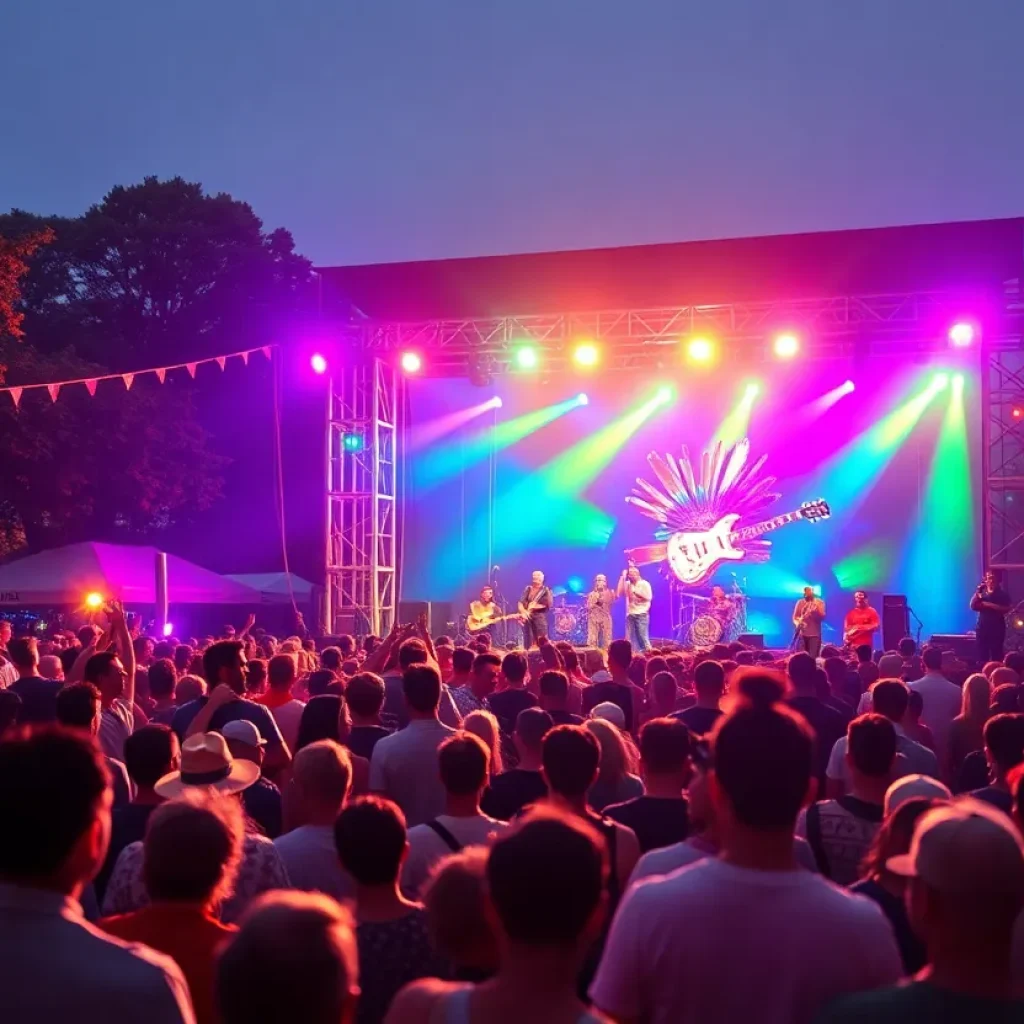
pixel 694 557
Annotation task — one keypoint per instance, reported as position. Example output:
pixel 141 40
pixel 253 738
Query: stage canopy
pixel 274 586
pixel 65 575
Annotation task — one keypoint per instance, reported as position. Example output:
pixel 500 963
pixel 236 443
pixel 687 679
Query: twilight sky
pixel 411 129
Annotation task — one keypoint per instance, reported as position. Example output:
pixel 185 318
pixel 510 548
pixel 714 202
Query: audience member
pixel 965 872
pixel 404 765
pixel 837 673
pixel 10 710
pixel 523 785
pixel 316 792
pixel 1004 750
pixel 190 856
pixel 115 679
pixel 282 675
pixel 51 667
pixel 484 725
pixel 659 817
pixel 617 780
pixel 472 696
pixel 914 787
pixel 391 931
pixel 364 695
pixel 38 695
pixel 463 765
pixel 294 959
pixel 615 685
pixel 887 889
pixel 827 724
pixel 55 967
pixel 840 831
pixel 79 706
pixel 323 681
pixel 512 695
pixel 692 946
pixel 188 688
pixel 162 680
pixel 942 701
pixel 554 697
pixel 913 666
pixel 545 879
pixel 664 697
pixel 206 763
pixel 709 684
pixel 462 669
pixel 262 800
pixel 966 730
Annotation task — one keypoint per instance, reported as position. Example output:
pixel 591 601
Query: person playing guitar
pixel 534 606
pixel 861 622
pixel 485 613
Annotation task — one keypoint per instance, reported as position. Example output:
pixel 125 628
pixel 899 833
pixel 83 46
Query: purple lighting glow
pixel 318 363
pixel 961 335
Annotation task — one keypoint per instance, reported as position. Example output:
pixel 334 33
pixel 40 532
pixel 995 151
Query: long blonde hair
pixel 619 756
pixel 977 697
pixel 484 726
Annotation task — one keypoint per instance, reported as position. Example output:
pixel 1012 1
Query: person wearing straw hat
pixel 206 762
pixel 966 890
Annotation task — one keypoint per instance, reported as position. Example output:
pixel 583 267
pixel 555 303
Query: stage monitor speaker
pixel 755 640
pixel 895 620
pixel 963 645
pixel 439 614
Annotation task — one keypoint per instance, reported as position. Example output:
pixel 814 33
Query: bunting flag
pixel 53 388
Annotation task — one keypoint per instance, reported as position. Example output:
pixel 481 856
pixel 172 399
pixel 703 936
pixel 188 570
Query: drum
pixel 566 621
pixel 706 631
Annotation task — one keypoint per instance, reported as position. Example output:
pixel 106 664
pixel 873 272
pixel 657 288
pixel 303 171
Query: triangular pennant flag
pixel 90 386
pixel 191 367
pixel 160 374
pixel 222 361
pixel 128 379
pixel 54 390
pixel 16 395
pixel 266 351
pixel 245 358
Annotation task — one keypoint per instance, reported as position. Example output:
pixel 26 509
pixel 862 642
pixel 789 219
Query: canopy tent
pixel 274 586
pixel 63 576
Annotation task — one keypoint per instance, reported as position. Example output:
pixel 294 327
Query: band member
pixel 861 622
pixel 638 607
pixel 991 603
pixel 483 612
pixel 721 607
pixel 808 616
pixel 534 606
pixel 599 613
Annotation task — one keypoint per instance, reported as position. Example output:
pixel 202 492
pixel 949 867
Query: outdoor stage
pixel 491 416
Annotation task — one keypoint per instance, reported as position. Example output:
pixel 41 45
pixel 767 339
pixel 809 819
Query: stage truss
pixel 362 499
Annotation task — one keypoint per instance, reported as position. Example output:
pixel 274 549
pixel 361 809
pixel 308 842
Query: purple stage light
pixel 848 386
pixel 961 334
pixel 318 363
pixel 168 629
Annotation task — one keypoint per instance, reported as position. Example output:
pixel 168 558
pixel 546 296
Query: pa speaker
pixel 895 620
pixel 755 640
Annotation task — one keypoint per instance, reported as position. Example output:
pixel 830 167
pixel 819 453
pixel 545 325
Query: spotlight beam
pixel 737 421
pixel 423 434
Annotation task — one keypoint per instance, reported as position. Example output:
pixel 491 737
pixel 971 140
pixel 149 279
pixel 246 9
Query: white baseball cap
pixel 966 847
pixel 602 675
pixel 610 713
pixel 911 786
pixel 243 731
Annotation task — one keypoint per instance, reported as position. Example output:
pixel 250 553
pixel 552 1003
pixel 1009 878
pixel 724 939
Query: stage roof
pixel 966 256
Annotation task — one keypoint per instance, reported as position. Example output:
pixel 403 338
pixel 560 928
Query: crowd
pixel 245 830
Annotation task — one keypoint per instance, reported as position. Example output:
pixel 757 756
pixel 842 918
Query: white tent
pixel 63 576
pixel 274 586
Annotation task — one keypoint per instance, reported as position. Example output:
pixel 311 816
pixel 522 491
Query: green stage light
pixel 525 357
pixel 353 442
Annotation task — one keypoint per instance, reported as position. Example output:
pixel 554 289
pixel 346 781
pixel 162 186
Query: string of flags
pixel 160 372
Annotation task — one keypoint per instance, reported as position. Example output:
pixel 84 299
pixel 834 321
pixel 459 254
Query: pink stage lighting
pixel 848 386
pixel 318 363
pixel 961 334
pixel 412 362
pixel 786 346
pixel 168 629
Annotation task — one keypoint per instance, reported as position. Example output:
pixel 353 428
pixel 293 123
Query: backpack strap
pixel 814 839
pixel 444 835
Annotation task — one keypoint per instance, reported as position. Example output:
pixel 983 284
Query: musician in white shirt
pixel 808 615
pixel 638 607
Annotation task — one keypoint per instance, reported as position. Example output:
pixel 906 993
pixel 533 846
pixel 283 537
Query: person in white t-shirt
pixel 747 935
pixel 942 700
pixel 638 607
pixel 463 761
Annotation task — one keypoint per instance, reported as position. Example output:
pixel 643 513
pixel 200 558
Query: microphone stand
pixel 499 600
pixel 920 624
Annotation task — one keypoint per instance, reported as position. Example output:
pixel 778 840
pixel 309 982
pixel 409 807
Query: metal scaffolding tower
pixel 362 497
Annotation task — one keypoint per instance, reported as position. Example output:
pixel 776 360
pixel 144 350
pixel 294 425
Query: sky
pixel 381 130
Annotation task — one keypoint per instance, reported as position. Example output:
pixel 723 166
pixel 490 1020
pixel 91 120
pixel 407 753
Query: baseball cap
pixel 243 731
pixel 602 675
pixel 890 666
pixel 911 786
pixel 966 847
pixel 610 713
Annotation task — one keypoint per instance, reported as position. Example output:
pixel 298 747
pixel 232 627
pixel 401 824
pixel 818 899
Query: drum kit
pixel 703 623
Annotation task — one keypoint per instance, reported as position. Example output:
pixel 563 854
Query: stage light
pixel 411 362
pixel 94 600
pixel 581 399
pixel 526 358
pixel 785 346
pixel 700 350
pixel 961 334
pixel 939 381
pixel 752 390
pixel 586 354
pixel 848 386
pixel 575 584
pixel 353 441
pixel 664 394
pixel 168 629
pixel 318 363
pixel 1016 412
pixel 495 402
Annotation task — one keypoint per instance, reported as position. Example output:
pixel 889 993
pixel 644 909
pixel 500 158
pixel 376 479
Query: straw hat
pixel 206 761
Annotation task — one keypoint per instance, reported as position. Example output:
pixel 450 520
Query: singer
pixel 599 613
pixel 638 607
pixel 991 603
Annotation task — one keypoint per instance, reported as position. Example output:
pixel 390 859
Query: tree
pixel 156 273
pixel 14 257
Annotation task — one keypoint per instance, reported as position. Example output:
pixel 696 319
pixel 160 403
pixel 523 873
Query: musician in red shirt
pixel 861 622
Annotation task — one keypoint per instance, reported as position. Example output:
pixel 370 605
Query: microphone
pixel 495 568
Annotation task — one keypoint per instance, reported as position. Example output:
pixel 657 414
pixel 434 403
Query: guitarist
pixel 534 606
pixel 861 622
pixel 484 612
pixel 808 616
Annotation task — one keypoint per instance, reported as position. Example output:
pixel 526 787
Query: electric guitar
pixel 694 557
pixel 478 623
